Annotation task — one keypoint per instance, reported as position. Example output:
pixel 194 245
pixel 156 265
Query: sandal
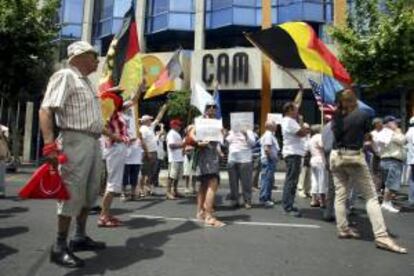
pixel 349 234
pixel 389 244
pixel 211 221
pixel 109 221
pixel 201 216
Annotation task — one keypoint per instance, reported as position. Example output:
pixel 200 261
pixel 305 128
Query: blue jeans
pixel 293 166
pixel 267 179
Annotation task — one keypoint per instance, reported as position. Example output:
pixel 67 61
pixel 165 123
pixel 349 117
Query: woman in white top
pixel 240 165
pixel 319 182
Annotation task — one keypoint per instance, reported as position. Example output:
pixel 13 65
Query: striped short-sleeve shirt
pixel 74 101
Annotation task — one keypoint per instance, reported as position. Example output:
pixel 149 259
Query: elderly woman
pixel 319 182
pixel 240 165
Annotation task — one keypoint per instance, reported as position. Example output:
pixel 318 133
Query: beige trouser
pixel 362 181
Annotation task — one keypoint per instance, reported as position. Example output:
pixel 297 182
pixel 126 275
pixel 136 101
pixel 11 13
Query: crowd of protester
pixel 333 164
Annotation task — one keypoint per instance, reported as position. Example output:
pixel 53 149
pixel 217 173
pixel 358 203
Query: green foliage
pixel 377 45
pixel 179 106
pixel 27 30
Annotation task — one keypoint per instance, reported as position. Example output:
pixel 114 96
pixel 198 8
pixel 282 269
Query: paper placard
pixel 209 129
pixel 240 121
pixel 275 117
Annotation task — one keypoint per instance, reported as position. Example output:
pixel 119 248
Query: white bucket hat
pixel 80 47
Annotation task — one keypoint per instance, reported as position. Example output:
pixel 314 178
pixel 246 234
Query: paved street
pixel 161 238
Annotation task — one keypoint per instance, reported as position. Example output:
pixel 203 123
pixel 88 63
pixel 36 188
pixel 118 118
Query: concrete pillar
pixel 340 7
pixel 87 22
pixel 140 16
pixel 27 144
pixel 199 25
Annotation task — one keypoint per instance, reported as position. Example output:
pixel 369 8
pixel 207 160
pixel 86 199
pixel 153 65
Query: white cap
pixel 411 121
pixel 79 47
pixel 146 118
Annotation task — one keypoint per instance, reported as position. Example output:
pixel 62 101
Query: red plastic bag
pixel 46 183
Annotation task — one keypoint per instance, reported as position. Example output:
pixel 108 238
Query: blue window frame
pixel 170 15
pixel 70 18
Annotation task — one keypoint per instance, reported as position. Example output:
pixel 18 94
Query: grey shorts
pixel 175 170
pixel 391 172
pixel 81 173
pixel 149 166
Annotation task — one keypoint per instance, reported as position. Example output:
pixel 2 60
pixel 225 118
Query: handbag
pixel 46 183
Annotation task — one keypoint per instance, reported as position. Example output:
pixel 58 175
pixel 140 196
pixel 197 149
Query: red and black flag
pixel 296 45
pixel 123 65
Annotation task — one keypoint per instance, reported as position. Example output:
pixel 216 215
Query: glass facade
pixel 170 15
pixel 70 18
pixel 221 13
pixel 179 16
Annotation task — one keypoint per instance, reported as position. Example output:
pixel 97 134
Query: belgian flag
pixel 123 65
pixel 295 45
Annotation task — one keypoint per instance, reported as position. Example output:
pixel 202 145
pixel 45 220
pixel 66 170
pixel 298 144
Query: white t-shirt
pixel 410 145
pixel 268 139
pixel 316 150
pixel 240 148
pixel 174 155
pixel 134 153
pixel 375 138
pixel 148 136
pixel 292 143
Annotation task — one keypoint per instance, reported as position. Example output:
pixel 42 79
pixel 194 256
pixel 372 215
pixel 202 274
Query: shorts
pixel 175 170
pixel 391 173
pixel 81 173
pixel 149 166
pixel 115 165
pixel 131 172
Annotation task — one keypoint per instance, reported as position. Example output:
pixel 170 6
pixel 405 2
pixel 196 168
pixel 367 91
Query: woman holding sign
pixel 207 133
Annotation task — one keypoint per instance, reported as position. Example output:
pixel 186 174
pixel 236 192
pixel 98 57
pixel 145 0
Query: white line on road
pixel 249 223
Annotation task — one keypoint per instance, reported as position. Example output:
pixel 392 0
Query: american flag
pixel 328 109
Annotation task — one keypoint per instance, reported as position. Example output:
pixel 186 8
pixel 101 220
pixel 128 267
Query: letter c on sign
pixel 207 77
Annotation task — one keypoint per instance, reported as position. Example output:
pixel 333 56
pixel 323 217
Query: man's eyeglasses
pixel 210 106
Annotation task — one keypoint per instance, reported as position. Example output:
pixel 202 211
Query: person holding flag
pixel 116 153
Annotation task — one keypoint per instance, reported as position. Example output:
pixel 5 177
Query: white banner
pixel 209 129
pixel 242 121
pixel 275 117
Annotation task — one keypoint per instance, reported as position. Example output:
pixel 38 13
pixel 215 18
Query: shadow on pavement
pixel 138 223
pixel 9 232
pixel 5 213
pixel 6 251
pixel 135 250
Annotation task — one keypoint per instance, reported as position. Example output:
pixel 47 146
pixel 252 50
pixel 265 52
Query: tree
pixel 179 106
pixel 377 44
pixel 27 31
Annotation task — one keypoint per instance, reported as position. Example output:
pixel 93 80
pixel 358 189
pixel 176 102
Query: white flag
pixel 200 97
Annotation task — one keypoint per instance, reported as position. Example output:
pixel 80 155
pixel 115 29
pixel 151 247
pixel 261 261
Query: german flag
pixel 164 82
pixel 296 45
pixel 123 65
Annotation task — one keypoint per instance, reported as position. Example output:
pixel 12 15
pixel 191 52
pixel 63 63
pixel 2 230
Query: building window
pixel 70 18
pixel 170 15
pixel 107 21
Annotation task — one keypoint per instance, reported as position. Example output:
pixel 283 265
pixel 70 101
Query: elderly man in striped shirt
pixel 71 104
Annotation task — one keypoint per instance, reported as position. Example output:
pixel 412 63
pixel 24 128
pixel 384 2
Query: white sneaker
pixel 389 207
pixel 269 203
